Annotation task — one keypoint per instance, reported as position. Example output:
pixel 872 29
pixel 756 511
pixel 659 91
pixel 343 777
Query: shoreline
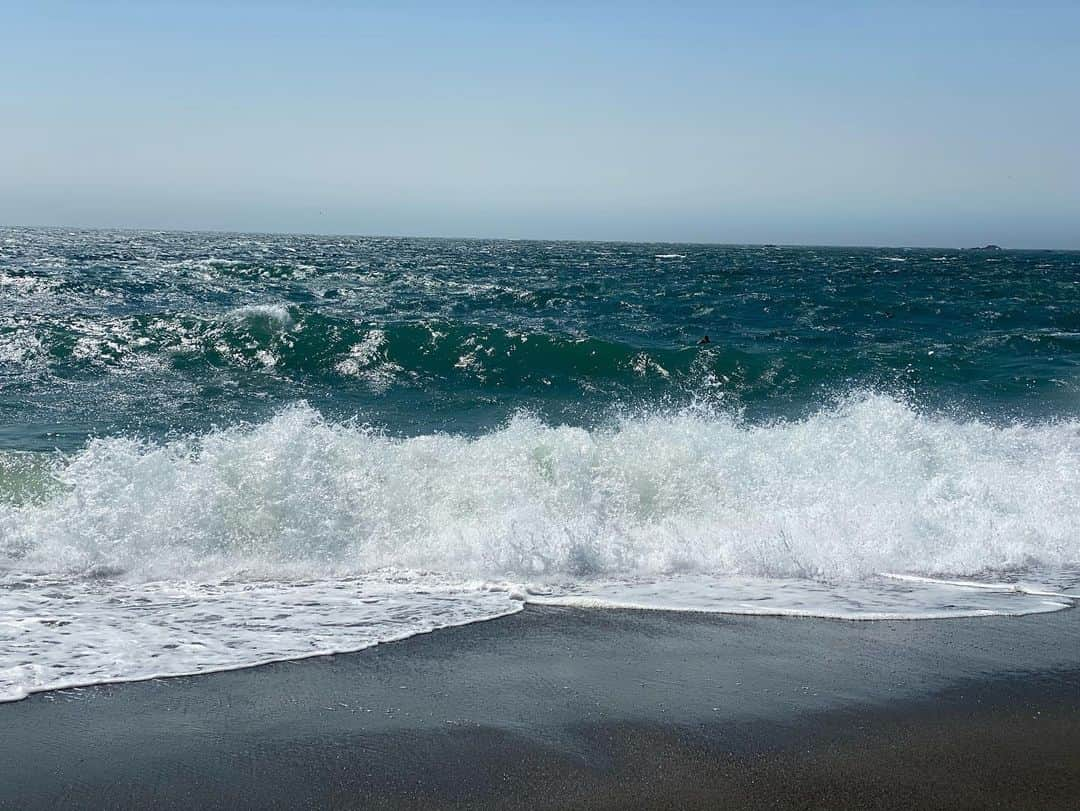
pixel 1069 602
pixel 564 707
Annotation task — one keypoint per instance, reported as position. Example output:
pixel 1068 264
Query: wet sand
pixel 567 708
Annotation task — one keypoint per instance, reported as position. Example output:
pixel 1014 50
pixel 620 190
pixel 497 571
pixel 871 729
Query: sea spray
pixel 868 486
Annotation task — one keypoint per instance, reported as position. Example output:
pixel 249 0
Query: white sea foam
pixel 368 361
pixel 276 314
pixel 690 510
pixel 57 632
pixel 22 349
pixel 873 598
pixel 868 487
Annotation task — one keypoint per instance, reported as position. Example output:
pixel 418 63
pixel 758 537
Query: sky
pixel 866 123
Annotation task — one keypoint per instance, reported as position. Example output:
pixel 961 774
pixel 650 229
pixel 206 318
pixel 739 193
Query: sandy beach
pixel 563 708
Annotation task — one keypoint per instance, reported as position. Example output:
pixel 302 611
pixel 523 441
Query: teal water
pixel 152 333
pixel 223 449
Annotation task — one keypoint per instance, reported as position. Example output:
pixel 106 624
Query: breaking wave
pixel 302 536
pixel 869 486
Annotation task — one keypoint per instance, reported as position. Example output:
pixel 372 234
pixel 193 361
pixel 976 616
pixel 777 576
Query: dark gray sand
pixel 555 708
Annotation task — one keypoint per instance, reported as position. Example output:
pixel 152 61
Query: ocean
pixel 218 450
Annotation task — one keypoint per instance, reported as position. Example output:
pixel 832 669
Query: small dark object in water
pixel 704 341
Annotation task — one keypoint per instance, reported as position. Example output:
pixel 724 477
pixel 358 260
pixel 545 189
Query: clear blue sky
pixel 854 123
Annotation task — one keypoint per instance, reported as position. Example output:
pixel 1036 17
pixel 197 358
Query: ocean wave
pixel 263 345
pixel 301 536
pixel 301 345
pixel 868 486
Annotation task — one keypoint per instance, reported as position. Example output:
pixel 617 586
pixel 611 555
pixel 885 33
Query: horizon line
pixel 474 238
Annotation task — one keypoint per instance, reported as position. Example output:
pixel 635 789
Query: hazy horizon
pixel 834 125
pixel 496 238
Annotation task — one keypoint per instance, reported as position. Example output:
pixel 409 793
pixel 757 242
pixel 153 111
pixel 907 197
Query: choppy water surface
pixel 220 449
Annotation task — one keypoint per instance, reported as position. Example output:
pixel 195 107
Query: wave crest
pixel 868 486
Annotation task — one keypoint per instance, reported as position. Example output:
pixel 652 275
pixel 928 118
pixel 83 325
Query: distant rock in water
pixel 987 248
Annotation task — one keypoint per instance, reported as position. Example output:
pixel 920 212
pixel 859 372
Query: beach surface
pixel 569 708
